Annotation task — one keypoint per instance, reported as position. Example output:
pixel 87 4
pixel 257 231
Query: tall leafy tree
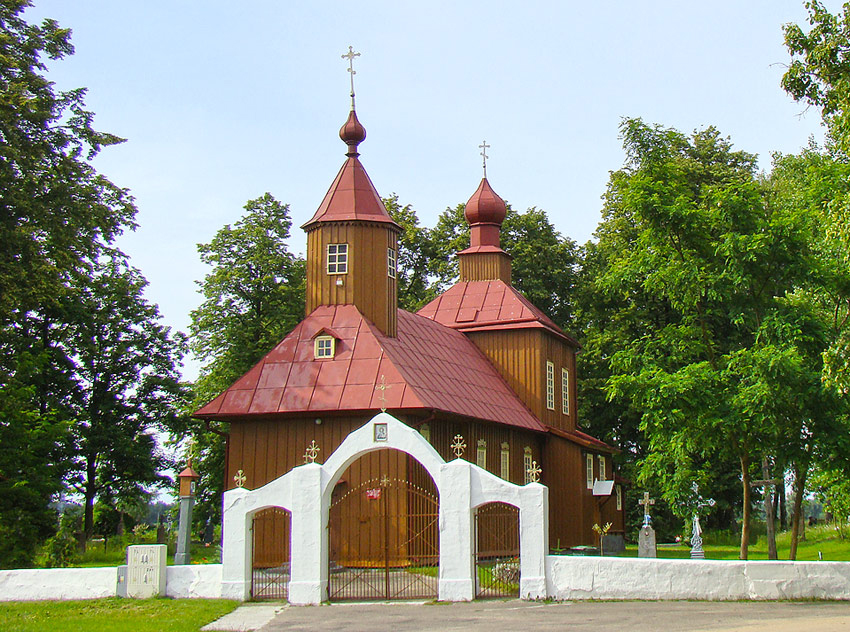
pixel 415 254
pixel 57 216
pixel 125 368
pixel 696 252
pixel 253 297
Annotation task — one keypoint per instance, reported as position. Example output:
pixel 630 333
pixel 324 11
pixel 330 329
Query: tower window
pixel 506 461
pixel 391 262
pixel 337 258
pixel 324 347
pixel 565 391
pixel 481 454
pixel 550 385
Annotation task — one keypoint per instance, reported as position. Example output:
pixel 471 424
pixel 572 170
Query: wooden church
pixel 479 371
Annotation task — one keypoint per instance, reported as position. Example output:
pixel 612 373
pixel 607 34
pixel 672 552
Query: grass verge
pixel 112 615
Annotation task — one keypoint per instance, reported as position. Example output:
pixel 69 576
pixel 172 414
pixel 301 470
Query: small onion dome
pixel 352 133
pixel 485 206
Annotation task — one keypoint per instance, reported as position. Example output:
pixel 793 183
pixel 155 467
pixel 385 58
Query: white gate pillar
pixel 533 540
pixel 237 552
pixel 308 551
pixel 457 565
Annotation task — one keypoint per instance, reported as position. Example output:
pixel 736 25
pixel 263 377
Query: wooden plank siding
pixel 520 356
pixel 366 285
pixel 485 266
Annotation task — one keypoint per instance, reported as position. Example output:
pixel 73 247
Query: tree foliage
pixel 58 222
pixel 253 297
pixel 699 335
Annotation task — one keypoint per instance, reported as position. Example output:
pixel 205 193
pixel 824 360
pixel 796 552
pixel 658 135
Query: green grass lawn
pixel 114 614
pixel 115 554
pixel 823 539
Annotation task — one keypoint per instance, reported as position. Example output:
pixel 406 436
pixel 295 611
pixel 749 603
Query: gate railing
pixel 497 551
pixel 270 566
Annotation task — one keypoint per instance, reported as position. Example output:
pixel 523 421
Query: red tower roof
pixel 352 196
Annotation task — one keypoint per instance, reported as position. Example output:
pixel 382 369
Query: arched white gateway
pixel 306 492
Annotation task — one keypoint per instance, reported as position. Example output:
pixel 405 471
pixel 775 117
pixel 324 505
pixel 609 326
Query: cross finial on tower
pixel 350 55
pixel 483 147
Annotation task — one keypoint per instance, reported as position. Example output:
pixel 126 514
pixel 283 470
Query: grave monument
pixel 646 539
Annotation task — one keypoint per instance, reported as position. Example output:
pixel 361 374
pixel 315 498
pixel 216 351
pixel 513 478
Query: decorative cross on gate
pixel 484 147
pixel 647 502
pixel 534 471
pixel 240 479
pixel 312 452
pixel 385 481
pixel 350 55
pixel 383 386
pixel 458 446
pixel 696 536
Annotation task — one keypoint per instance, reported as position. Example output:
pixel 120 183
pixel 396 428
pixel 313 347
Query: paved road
pixel 631 616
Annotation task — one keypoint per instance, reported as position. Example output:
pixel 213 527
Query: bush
pixel 59 551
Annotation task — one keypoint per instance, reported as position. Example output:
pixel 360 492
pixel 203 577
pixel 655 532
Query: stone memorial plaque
pixel 646 542
pixel 146 571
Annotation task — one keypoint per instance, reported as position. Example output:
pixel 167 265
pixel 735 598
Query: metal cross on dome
pixel 534 471
pixel 484 147
pixel 350 55
pixel 312 452
pixel 458 445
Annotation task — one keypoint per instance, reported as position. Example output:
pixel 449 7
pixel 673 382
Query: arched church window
pixel 481 454
pixel 506 461
pixel 527 462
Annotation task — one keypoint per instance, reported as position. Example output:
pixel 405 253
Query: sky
pixel 222 101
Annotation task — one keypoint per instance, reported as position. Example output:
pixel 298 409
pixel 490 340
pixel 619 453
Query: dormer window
pixel 324 346
pixel 392 262
pixel 337 258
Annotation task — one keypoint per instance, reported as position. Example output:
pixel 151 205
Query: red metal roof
pixel 487 306
pixel 427 366
pixel 583 439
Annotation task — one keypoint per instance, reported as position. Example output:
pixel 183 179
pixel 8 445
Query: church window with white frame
pixel 603 468
pixel 324 347
pixel 619 489
pixel 425 431
pixel 588 462
pixel 565 391
pixel 550 385
pixel 337 258
pixel 392 262
pixel 505 464
pixel 481 454
pixel 527 462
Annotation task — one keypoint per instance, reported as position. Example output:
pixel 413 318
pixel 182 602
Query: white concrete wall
pixel 61 584
pixel 193 581
pixel 577 577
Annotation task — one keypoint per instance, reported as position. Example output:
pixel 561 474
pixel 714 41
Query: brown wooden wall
pixel 520 356
pixel 485 266
pixel 267 449
pixel 367 284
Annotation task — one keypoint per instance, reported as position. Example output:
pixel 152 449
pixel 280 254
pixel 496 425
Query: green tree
pixel 415 253
pixel 126 387
pixel 689 231
pixel 253 297
pixel 57 215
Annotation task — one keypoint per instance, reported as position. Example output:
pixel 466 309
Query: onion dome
pixel 352 133
pixel 485 206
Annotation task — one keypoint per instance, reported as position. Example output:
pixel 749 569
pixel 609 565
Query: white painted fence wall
pixel 200 581
pixel 576 577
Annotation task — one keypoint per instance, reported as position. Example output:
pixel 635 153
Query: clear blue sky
pixel 221 101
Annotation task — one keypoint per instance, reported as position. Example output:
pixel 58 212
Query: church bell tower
pixel 352 242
